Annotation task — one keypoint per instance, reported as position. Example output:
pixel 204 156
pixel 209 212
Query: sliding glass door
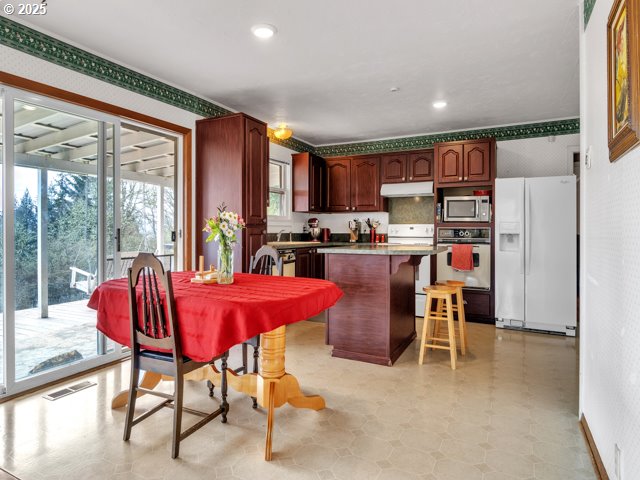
pixel 86 195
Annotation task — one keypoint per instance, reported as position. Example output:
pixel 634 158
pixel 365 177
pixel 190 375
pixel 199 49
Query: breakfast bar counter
pixel 375 320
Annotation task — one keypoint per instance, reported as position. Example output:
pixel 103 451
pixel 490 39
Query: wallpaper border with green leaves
pixel 38 44
pixel 513 132
pixel 588 9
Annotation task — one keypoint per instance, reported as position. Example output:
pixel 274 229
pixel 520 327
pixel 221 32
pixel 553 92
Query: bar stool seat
pixel 459 314
pixel 443 313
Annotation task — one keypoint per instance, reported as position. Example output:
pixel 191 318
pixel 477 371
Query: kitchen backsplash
pixel 411 210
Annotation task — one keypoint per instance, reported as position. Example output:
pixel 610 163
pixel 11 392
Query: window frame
pixel 285 219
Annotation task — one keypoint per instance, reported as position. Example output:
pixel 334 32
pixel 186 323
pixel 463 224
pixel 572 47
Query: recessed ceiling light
pixel 263 30
pixel 439 104
pixel 394 89
pixel 28 107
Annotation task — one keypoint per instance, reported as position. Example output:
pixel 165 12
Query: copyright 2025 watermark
pixel 26 9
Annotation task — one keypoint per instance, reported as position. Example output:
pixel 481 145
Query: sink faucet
pixel 280 235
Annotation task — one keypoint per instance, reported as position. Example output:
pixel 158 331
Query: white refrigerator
pixel 535 253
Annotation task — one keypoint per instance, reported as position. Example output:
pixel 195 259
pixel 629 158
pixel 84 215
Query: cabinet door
pixel 339 185
pixel 257 176
pixel 420 166
pixel 303 262
pixel 317 184
pixel 393 168
pixel 253 237
pixel 365 184
pixel 477 162
pixel 450 164
pixel 317 264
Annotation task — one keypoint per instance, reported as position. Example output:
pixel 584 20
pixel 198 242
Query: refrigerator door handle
pixel 527 229
pixel 523 229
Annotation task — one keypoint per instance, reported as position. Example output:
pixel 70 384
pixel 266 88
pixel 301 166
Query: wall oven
pixel 467 209
pixel 480 277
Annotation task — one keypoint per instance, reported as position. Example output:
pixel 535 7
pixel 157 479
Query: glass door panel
pixel 56 238
pixel 147 184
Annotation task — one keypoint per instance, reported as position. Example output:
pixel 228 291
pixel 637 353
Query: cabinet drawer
pixel 477 303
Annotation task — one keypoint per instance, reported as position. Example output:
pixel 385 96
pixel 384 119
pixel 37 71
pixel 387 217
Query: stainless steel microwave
pixel 467 209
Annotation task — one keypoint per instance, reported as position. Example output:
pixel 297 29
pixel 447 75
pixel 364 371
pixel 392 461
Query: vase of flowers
pixel 222 228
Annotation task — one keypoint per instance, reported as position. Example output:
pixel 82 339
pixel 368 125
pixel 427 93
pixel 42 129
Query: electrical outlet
pixel 618 466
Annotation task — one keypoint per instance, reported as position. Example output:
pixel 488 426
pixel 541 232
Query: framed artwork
pixel 623 77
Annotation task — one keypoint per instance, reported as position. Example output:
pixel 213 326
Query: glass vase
pixel 225 264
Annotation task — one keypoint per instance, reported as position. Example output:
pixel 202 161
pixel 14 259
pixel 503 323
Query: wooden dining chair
pixel 155 347
pixel 266 261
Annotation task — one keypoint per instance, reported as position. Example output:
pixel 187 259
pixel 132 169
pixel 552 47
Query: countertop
pixel 382 249
pixel 309 244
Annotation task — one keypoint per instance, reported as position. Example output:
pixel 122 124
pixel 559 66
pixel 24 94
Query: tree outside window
pixel 279 190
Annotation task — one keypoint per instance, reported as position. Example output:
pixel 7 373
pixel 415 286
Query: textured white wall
pixel 610 295
pixel 537 157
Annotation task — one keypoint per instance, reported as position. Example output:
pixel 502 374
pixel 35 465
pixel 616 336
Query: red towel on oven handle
pixel 462 257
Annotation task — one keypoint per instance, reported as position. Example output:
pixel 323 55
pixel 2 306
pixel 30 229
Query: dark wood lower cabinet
pixel 303 262
pixel 478 306
pixel 309 263
pixel 254 236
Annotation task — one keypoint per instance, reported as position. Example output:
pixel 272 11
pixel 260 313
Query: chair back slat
pixel 265 260
pixel 162 319
pixel 151 295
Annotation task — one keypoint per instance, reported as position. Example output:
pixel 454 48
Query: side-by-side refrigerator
pixel 535 253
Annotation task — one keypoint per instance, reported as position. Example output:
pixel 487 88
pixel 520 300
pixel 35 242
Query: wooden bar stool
pixel 459 314
pixel 444 295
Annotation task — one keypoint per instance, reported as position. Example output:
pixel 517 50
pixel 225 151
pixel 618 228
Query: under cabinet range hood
pixel 416 189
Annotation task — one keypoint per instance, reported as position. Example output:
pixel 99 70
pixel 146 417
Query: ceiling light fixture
pixel 282 132
pixel 28 107
pixel 263 30
pixel 394 89
pixel 439 104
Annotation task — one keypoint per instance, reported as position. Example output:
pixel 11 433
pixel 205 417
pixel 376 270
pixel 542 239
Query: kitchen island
pixel 375 320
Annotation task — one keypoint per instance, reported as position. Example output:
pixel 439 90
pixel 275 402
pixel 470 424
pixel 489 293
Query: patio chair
pixel 266 261
pixel 82 280
pixel 158 329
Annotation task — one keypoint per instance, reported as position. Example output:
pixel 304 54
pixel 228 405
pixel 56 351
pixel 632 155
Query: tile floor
pixel 508 412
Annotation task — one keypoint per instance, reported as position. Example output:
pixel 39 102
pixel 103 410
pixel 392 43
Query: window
pixel 279 190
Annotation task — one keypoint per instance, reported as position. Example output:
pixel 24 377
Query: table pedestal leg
pixel 149 381
pixel 272 387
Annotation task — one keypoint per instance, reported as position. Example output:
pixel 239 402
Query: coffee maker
pixel 314 229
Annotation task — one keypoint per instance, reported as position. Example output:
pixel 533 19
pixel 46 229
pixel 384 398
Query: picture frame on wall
pixel 623 77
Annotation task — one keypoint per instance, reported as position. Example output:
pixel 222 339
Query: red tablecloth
pixel 213 318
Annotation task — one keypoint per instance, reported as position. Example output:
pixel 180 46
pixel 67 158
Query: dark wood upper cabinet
pixel 353 184
pixel 257 168
pixel 477 163
pixel 450 164
pixel 469 161
pixel 338 185
pixel 232 158
pixel 309 182
pixel 420 166
pixel 365 184
pixel 393 168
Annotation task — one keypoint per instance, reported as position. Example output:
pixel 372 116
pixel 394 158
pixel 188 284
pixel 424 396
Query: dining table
pixel 212 318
